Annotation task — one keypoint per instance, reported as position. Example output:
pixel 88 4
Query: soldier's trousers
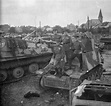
pixel 69 56
pixel 79 57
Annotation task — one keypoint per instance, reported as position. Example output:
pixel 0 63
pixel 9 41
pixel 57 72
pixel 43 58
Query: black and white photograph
pixel 55 52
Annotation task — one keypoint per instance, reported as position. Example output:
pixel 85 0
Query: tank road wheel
pixel 3 76
pixel 18 72
pixel 33 68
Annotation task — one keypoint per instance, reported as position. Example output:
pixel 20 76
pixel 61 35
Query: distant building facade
pixel 93 23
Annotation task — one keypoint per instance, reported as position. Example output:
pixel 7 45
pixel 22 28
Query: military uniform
pixel 57 60
pixel 68 48
pixel 78 48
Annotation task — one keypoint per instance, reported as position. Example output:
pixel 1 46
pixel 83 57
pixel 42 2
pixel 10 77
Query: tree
pixel 18 30
pixel 5 27
pixel 82 28
pixel 58 28
pixel 12 30
pixel 26 29
pixel 65 29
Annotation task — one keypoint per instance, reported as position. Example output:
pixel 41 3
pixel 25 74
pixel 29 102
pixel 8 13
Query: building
pixel 94 23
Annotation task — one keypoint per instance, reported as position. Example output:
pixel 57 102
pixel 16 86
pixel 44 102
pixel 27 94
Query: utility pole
pixel 35 26
pixel 40 29
pixel 88 22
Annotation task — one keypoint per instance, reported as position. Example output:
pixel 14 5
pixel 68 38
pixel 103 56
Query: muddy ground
pixel 13 94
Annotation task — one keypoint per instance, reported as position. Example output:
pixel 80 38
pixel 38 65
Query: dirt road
pixel 13 94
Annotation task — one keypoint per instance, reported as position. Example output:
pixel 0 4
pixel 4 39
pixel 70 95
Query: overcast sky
pixel 52 12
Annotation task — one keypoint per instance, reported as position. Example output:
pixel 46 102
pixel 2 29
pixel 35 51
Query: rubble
pixel 53 90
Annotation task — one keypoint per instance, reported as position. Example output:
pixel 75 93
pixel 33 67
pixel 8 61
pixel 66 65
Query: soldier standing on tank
pixel 78 49
pixel 68 48
pixel 57 61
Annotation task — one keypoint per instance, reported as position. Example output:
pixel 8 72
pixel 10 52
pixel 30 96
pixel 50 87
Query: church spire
pixel 100 17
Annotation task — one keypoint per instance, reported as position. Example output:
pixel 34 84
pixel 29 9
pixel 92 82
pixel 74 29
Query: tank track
pixel 24 62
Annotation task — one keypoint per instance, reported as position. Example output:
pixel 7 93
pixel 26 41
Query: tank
pixel 18 60
pixel 72 79
pixel 106 41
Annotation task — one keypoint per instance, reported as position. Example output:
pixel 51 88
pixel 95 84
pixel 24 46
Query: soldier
pixel 68 48
pixel 57 60
pixel 78 48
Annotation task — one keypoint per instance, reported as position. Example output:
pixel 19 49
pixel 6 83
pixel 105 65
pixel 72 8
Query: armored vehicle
pixel 92 71
pixel 106 41
pixel 94 90
pixel 17 59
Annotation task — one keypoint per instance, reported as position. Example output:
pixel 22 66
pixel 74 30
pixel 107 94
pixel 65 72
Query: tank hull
pixel 8 65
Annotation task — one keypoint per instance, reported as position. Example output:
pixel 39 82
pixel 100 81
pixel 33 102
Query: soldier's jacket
pixel 67 43
pixel 66 39
pixel 57 58
pixel 58 51
pixel 78 47
pixel 57 38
